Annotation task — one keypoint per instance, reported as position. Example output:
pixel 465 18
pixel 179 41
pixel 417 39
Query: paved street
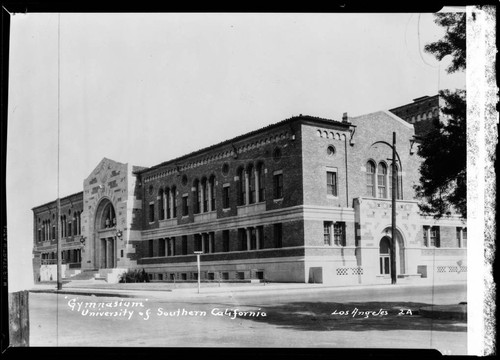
pixel 373 317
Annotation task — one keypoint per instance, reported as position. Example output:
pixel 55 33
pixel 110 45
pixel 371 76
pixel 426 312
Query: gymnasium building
pixel 306 199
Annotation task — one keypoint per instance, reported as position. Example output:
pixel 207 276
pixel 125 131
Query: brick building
pixel 302 200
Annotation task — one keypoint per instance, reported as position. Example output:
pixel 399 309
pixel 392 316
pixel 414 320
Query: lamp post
pixel 393 198
pixel 198 253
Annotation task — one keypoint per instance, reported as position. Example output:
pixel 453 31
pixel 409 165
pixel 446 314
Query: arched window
pixel 161 205
pixel 168 200
pixel 197 196
pixel 68 224
pixel 173 195
pixel 370 179
pixel 205 195
pixel 251 184
pixel 211 191
pixel 107 217
pixel 384 256
pixel 262 182
pixel 241 187
pixel 382 180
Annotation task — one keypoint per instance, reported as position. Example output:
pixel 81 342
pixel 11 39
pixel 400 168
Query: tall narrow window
pixel 161 204
pixel 212 193
pixel 339 234
pixel 225 240
pixel 150 248
pixel 39 237
pixel 225 197
pixel 69 229
pixel 151 212
pixel 168 200
pixel 197 197
pixel 278 235
pixel 185 206
pixel 251 184
pixel 161 247
pixel 253 239
pixel 370 179
pixel 434 236
pixel 382 180
pixel 278 186
pixel 243 239
pixel 241 187
pixel 331 183
pixel 184 245
pixel 327 233
pixel 174 202
pixel 205 196
pixel 425 230
pixel 197 242
pixel 262 183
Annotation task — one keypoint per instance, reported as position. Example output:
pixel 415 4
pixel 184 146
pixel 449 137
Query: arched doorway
pixel 385 246
pixel 105 235
pixel 385 256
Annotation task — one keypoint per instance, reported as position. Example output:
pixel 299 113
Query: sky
pixel 145 88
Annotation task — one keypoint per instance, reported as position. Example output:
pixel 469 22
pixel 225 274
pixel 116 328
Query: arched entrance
pixel 105 235
pixel 385 246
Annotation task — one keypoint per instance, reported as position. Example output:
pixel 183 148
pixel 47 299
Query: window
pixel 150 248
pixel 431 236
pixel 370 179
pixel 382 180
pixel 161 205
pixel 212 193
pixel 168 199
pixel 170 247
pixel 240 275
pixel 39 237
pixel 331 183
pixel 461 236
pixel 205 196
pixel 330 150
pixel 197 242
pixel 225 169
pixel 161 246
pixel 253 239
pixel 225 197
pixel 151 212
pixel 327 233
pixel 225 240
pixel 185 206
pixel 339 233
pixel 278 235
pixel 251 185
pixel 174 202
pixel 184 245
pixel 278 186
pixel 69 229
pixel 434 236
pixel 197 197
pixel 243 239
pixel 225 276
pixel 398 183
pixel 277 154
pixel 241 187
pixel 262 184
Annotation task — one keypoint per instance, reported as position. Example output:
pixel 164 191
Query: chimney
pixel 344 117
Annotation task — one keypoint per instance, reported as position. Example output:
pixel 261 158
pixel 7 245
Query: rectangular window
pixel 225 240
pixel 197 199
pixel 184 245
pixel 69 229
pixel 225 276
pixel 151 212
pixel 339 233
pixel 240 275
pixel 225 197
pixel 167 196
pixel 243 239
pixel 170 247
pixel 161 246
pixel 331 183
pixel 278 235
pixel 211 276
pixel 39 238
pixel 150 248
pixel 53 231
pixel 197 242
pixel 278 186
pixel 253 239
pixel 327 233
pixel 434 237
pixel 185 206
pixel 426 235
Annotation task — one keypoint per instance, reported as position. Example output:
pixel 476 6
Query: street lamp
pixel 198 253
pixel 393 195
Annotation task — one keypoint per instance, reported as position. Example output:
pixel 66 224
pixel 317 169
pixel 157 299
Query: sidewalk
pixel 187 290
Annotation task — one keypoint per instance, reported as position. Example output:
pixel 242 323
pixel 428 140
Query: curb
pixel 445 312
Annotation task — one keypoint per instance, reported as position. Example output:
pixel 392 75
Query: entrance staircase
pixel 87 275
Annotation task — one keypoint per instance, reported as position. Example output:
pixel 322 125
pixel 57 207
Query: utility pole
pixel 394 192
pixel 58 238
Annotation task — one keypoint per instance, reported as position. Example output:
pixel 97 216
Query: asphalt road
pixel 365 317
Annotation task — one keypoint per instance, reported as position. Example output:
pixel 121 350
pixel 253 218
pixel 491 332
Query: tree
pixel 443 186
